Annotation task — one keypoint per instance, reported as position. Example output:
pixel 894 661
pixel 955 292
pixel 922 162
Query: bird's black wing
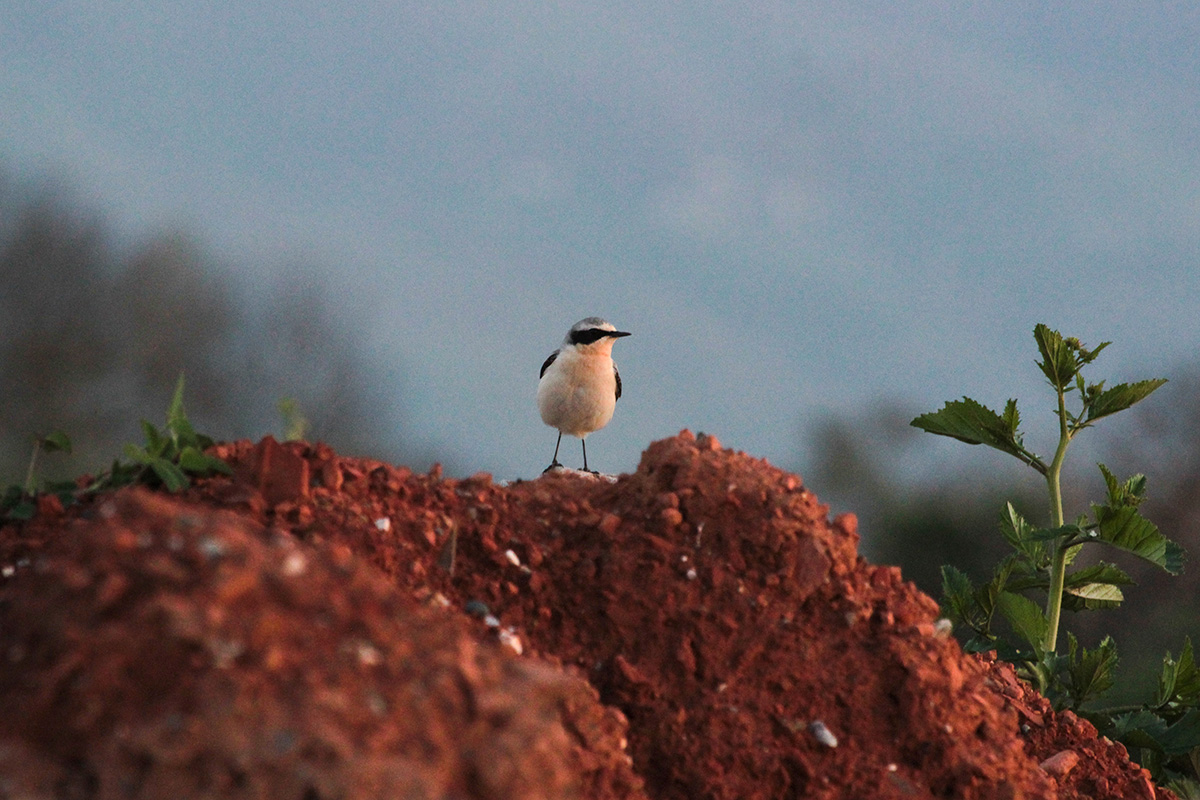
pixel 617 375
pixel 549 361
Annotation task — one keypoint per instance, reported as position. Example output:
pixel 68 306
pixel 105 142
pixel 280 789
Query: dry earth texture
pixel 321 627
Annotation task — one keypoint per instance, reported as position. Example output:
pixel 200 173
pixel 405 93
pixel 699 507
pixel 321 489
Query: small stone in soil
pixel 822 733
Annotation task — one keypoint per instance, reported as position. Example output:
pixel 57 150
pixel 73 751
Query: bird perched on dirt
pixel 579 383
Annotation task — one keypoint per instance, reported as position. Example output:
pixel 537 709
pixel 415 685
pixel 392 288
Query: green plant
pixel 1166 729
pixel 295 424
pixel 17 502
pixel 168 457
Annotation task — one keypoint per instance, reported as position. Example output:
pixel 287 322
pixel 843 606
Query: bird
pixel 579 384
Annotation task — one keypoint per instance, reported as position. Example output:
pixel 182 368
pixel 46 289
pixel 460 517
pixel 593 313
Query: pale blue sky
pixel 795 209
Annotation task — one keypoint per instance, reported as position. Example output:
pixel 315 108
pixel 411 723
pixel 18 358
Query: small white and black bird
pixel 579 384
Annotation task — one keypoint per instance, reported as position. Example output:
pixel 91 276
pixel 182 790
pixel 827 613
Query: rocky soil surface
pixel 321 627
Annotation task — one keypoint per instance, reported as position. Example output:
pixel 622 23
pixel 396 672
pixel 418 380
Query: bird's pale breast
pixel 580 396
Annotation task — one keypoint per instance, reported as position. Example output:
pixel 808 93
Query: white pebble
pixel 295 564
pixel 368 654
pixel 512 558
pixel 822 734
pixel 384 523
pixel 510 640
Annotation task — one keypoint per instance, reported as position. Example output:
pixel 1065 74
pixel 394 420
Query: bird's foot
pixel 553 464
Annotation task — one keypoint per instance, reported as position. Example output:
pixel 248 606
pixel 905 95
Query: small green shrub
pixel 1165 730
pixel 169 458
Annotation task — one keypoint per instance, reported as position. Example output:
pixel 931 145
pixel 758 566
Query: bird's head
pixel 593 335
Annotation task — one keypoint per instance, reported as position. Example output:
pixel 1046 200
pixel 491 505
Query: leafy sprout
pixel 17 501
pixel 168 457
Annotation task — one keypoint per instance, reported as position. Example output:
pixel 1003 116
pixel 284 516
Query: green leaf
pixel 1184 788
pixel 1095 586
pixel 1102 572
pixel 979 644
pixel 1012 419
pixel 1182 735
pixel 1048 674
pixel 194 461
pixel 1179 682
pixel 958 596
pixel 974 423
pixel 1139 729
pixel 1026 618
pixel 138 454
pixel 1058 362
pixel 23 510
pixel 1068 531
pixel 1092 674
pixel 1121 397
pixel 175 412
pixel 1018 533
pixel 1130 493
pixel 170 474
pixel 1187 680
pixel 1128 530
pixel 181 430
pixel 1114 485
pixel 1092 595
pixel 1088 356
pixel 1072 552
pixel 156 443
pixel 56 442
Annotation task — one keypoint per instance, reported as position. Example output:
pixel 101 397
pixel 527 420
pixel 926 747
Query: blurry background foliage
pixel 94 335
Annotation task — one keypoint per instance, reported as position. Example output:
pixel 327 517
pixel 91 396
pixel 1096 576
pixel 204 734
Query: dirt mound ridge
pixel 297 631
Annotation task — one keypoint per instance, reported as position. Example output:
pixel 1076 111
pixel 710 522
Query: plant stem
pixel 1058 560
pixel 31 475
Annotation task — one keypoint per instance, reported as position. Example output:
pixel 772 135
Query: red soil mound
pixel 322 627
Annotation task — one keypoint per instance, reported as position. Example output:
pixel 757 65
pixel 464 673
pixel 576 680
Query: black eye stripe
pixel 588 336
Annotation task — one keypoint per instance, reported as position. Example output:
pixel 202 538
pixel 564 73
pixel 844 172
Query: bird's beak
pixel 618 334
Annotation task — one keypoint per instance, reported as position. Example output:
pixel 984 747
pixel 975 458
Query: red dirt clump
pixel 354 634
pixel 164 649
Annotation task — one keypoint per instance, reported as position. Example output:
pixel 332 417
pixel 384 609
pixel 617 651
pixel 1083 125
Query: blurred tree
pixel 878 466
pixel 93 338
pixel 174 313
pixel 56 269
pixel 343 401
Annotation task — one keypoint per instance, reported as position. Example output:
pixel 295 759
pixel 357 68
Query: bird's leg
pixel 554 461
pixel 585 468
